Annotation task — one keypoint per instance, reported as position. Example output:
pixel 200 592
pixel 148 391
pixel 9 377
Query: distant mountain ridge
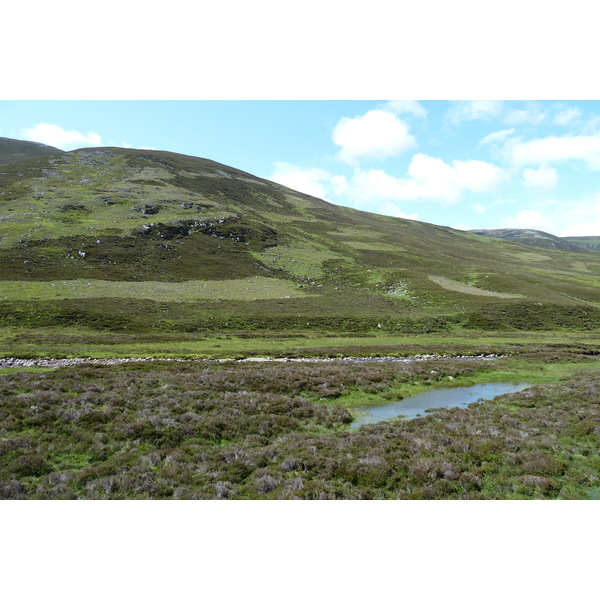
pixel 589 242
pixel 534 237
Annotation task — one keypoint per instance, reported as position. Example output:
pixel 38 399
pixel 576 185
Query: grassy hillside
pixel 590 243
pixel 134 240
pixel 15 150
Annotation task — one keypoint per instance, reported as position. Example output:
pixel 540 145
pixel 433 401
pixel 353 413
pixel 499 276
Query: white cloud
pixel 528 219
pixel 462 226
pixel 581 217
pixel 544 177
pixel 582 229
pixel 532 115
pixel 411 216
pixel 527 113
pixel 585 148
pixel 54 135
pixel 312 181
pixel 437 179
pixel 586 208
pixel 567 116
pixel 428 178
pixel 591 126
pixel 496 137
pixel 375 135
pixel 128 145
pixel 471 110
pixel 374 185
pixel 482 208
pixel 393 210
pixel 412 107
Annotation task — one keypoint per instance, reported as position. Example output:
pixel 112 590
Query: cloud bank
pixel 54 135
pixel 553 149
pixel 428 178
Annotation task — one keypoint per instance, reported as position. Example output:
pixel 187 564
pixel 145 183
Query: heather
pixel 236 430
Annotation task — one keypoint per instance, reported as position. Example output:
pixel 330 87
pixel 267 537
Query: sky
pixel 462 164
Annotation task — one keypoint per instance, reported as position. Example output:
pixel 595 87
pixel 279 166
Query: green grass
pixel 301 261
pixel 74 342
pixel 255 288
pixel 11 370
pixel 95 191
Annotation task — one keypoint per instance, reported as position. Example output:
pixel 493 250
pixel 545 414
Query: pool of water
pixel 415 406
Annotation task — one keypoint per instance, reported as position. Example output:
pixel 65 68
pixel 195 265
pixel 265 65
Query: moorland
pixel 112 252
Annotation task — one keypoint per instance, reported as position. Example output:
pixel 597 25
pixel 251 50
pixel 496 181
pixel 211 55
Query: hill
pixel 15 150
pixel 530 237
pixel 136 240
pixel 589 243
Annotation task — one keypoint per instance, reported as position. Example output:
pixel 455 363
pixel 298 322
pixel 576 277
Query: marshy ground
pixel 281 431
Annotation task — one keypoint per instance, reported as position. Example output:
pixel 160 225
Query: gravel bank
pixel 55 363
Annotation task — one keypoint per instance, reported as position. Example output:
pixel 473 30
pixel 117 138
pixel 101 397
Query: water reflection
pixel 415 406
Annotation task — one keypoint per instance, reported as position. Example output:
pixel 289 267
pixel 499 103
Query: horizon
pixel 461 164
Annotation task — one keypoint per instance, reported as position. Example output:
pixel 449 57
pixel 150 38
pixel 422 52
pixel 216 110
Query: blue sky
pixel 464 164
